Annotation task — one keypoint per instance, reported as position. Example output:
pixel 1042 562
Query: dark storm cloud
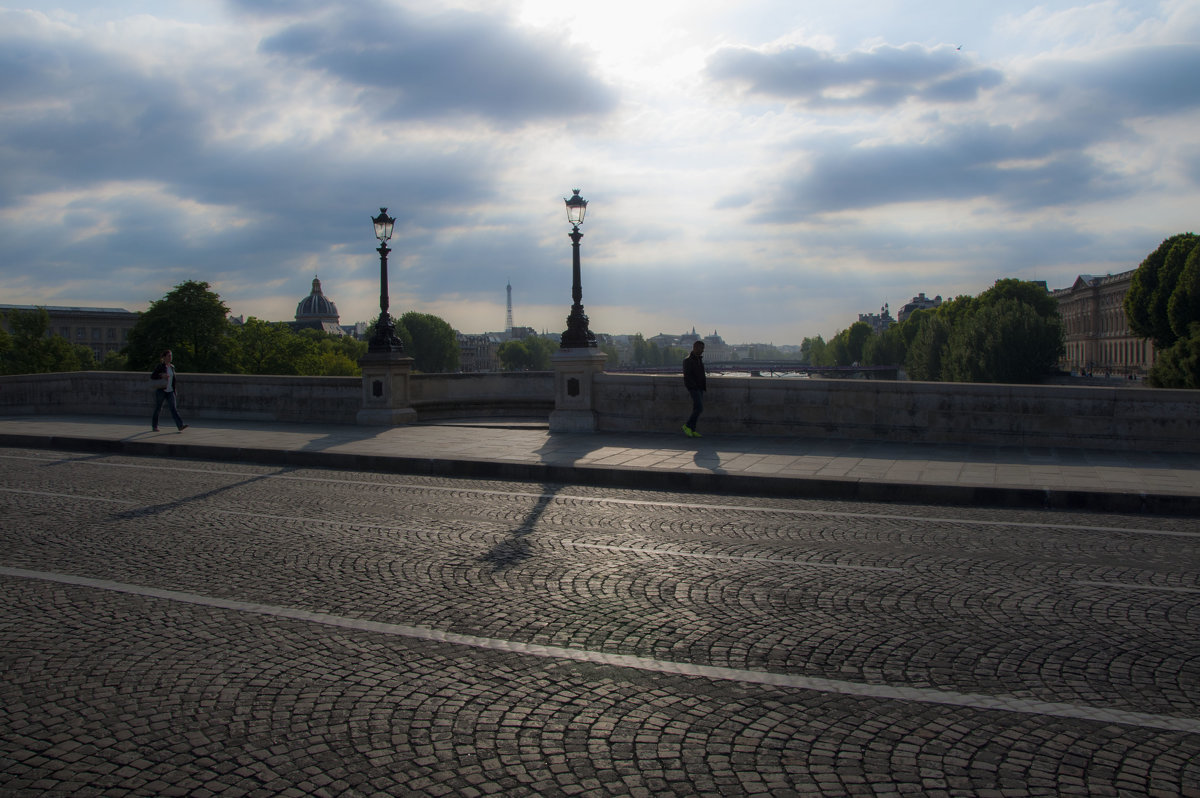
pixel 451 64
pixel 883 76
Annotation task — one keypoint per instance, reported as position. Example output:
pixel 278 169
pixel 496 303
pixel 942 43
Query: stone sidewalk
pixel 1119 481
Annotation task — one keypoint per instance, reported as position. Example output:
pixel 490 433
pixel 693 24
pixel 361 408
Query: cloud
pixel 1130 82
pixel 882 76
pixel 444 65
pixel 1064 113
pixel 1020 168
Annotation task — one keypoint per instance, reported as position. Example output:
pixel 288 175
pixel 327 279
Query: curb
pixel 826 488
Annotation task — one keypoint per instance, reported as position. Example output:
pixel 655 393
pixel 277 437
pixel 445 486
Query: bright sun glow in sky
pixel 768 169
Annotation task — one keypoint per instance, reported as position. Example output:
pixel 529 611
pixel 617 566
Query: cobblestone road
pixel 203 628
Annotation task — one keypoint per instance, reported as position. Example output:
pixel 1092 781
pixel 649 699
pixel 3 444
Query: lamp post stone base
pixel 573 373
pixel 385 401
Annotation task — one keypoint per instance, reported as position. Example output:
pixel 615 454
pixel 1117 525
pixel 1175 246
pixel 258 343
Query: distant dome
pixel 316 306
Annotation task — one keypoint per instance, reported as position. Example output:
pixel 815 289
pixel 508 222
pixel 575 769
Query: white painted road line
pixel 999 703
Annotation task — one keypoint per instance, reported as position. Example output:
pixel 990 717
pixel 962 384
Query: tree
pixel 923 361
pixel 1149 296
pixel 847 346
pixel 434 343
pixel 641 351
pixel 888 348
pixel 329 355
pixel 812 351
pixel 1023 291
pixel 1003 341
pixel 263 347
pixel 856 338
pixel 31 351
pixel 1183 308
pixel 190 321
pixel 526 354
pixel 1178 366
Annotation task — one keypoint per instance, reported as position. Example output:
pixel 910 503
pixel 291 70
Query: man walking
pixel 694 381
pixel 164 376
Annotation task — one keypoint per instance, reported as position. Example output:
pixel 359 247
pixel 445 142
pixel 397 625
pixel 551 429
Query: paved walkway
pixel 854 470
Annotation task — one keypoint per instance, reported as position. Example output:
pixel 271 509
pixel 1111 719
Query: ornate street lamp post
pixel 384 339
pixel 577 334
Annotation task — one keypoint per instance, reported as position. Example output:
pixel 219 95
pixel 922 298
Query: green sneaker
pixel 688 431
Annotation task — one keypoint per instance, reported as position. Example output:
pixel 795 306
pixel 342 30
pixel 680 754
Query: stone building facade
pixel 919 302
pixel 1098 339
pixel 478 352
pixel 103 330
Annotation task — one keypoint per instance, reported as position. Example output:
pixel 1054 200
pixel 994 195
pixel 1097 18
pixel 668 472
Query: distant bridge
pixel 772 368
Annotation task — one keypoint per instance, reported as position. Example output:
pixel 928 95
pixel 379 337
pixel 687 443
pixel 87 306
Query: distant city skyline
pixel 767 168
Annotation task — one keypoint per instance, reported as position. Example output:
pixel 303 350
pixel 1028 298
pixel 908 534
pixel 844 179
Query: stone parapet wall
pixel 317 400
pixel 1113 418
pixel 1124 419
pixel 483 395
pixel 328 400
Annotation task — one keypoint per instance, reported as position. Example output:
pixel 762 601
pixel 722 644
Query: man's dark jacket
pixel 160 371
pixel 693 373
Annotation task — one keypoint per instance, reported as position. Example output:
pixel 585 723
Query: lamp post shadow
pixel 516 548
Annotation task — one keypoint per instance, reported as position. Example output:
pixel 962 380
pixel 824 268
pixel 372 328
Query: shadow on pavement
pixel 154 509
pixel 514 549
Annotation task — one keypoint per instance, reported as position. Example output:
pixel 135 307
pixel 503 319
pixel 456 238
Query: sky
pixel 763 169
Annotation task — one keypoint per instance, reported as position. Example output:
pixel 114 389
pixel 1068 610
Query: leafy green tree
pixel 190 321
pixel 526 354
pixel 857 336
pixel 115 361
pixel 401 332
pixel 264 347
pixel 346 346
pixel 1179 365
pixel 31 351
pixel 1003 341
pixel 1023 291
pixel 812 351
pixel 327 364
pixel 887 348
pixel 434 344
pixel 330 355
pixel 1148 299
pixel 515 356
pixel 1183 307
pixel 846 347
pixel 837 352
pixel 641 351
pixel 923 361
